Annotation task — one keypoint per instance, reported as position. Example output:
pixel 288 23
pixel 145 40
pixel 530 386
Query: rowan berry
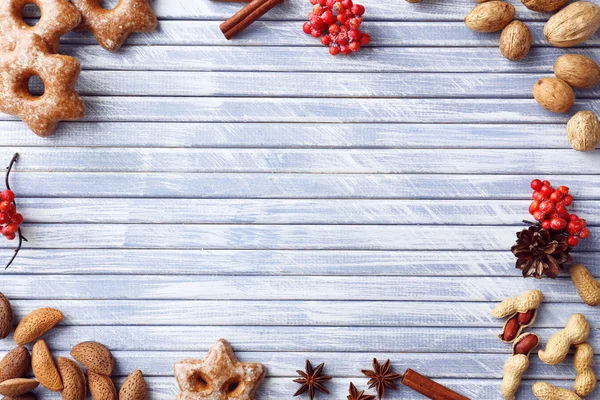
pixel 536 184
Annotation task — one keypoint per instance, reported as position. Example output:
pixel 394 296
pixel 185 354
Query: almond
pixel 583 131
pixel 95 357
pixel 6 317
pixel 573 25
pixel 17 386
pixel 44 368
pixel 37 323
pixel 73 379
pixel 26 396
pixel 554 94
pixel 544 5
pixel 15 363
pixel 101 387
pixel 577 70
pixel 490 16
pixel 515 41
pixel 134 387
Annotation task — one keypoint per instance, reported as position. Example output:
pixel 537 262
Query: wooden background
pixel 297 204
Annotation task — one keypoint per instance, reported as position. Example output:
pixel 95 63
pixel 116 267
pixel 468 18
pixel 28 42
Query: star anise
pixel 356 395
pixel 381 377
pixel 312 380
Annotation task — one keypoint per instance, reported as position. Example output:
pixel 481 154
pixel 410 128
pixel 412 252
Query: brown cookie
pixel 59 73
pixel 112 27
pixel 57 18
pixel 218 376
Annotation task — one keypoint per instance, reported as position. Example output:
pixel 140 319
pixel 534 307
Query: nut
pixel 585 382
pixel 514 368
pixel 557 347
pixel 544 5
pixel 95 357
pixel 586 285
pixel 525 318
pixel 134 387
pixel 44 368
pixel 515 41
pixel 17 386
pixel 101 387
pixel 15 364
pixel 573 25
pixel 577 70
pixel 529 300
pixel 73 379
pixel 6 317
pixel 554 94
pixel 525 343
pixel 511 328
pixel 490 16
pixel 546 391
pixel 36 324
pixel 583 131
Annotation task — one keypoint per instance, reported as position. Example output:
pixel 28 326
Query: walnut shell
pixel 515 41
pixel 577 70
pixel 544 5
pixel 573 25
pixel 583 131
pixel 490 16
pixel 554 94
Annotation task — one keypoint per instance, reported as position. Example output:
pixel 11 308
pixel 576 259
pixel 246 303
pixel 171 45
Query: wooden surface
pixel 299 205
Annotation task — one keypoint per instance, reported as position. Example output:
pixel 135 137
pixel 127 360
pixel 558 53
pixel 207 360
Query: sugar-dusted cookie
pixel 218 376
pixel 30 57
pixel 112 27
pixel 57 18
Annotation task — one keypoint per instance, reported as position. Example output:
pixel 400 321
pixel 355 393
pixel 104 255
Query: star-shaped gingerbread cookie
pixel 112 27
pixel 59 73
pixel 57 17
pixel 219 376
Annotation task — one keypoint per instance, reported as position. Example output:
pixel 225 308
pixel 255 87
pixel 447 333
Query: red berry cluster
pixel 549 207
pixel 337 23
pixel 10 219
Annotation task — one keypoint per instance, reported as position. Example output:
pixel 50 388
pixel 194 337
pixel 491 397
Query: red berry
pixel 358 10
pixel 4 206
pixel 328 17
pixel 546 224
pixel 307 28
pixel 323 3
pixel 573 218
pixel 334 29
pixel 354 46
pixel 563 189
pixel 318 10
pixel 334 50
pixel 585 233
pixel 12 227
pixel 338 8
pixel 364 39
pixel 534 206
pixel 536 184
pixel 4 218
pixel 7 195
pixel 326 40
pixel 354 34
pixel 345 50
pixel 539 216
pixel 347 4
pixel 573 228
pixel 546 191
pixel 355 22
pixel 11 236
pixel 342 18
pixel 342 39
pixel 556 224
pixel 556 197
pixel 313 2
pixel 315 33
pixel 572 241
pixel 546 183
pixel 17 219
pixel 568 199
pixel 318 24
pixel 546 206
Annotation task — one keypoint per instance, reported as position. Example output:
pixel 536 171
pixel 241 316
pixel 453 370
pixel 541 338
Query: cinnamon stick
pixel 429 388
pixel 246 16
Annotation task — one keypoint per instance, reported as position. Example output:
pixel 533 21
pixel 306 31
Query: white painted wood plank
pixel 342 161
pixel 277 135
pixel 315 59
pixel 343 365
pixel 235 185
pixel 272 237
pixel 289 33
pixel 292 313
pixel 375 110
pixel 297 9
pixel 273 338
pixel 343 288
pixel 298 84
pixel 274 262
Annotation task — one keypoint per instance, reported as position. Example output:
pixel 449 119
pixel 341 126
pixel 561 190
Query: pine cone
pixel 540 252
